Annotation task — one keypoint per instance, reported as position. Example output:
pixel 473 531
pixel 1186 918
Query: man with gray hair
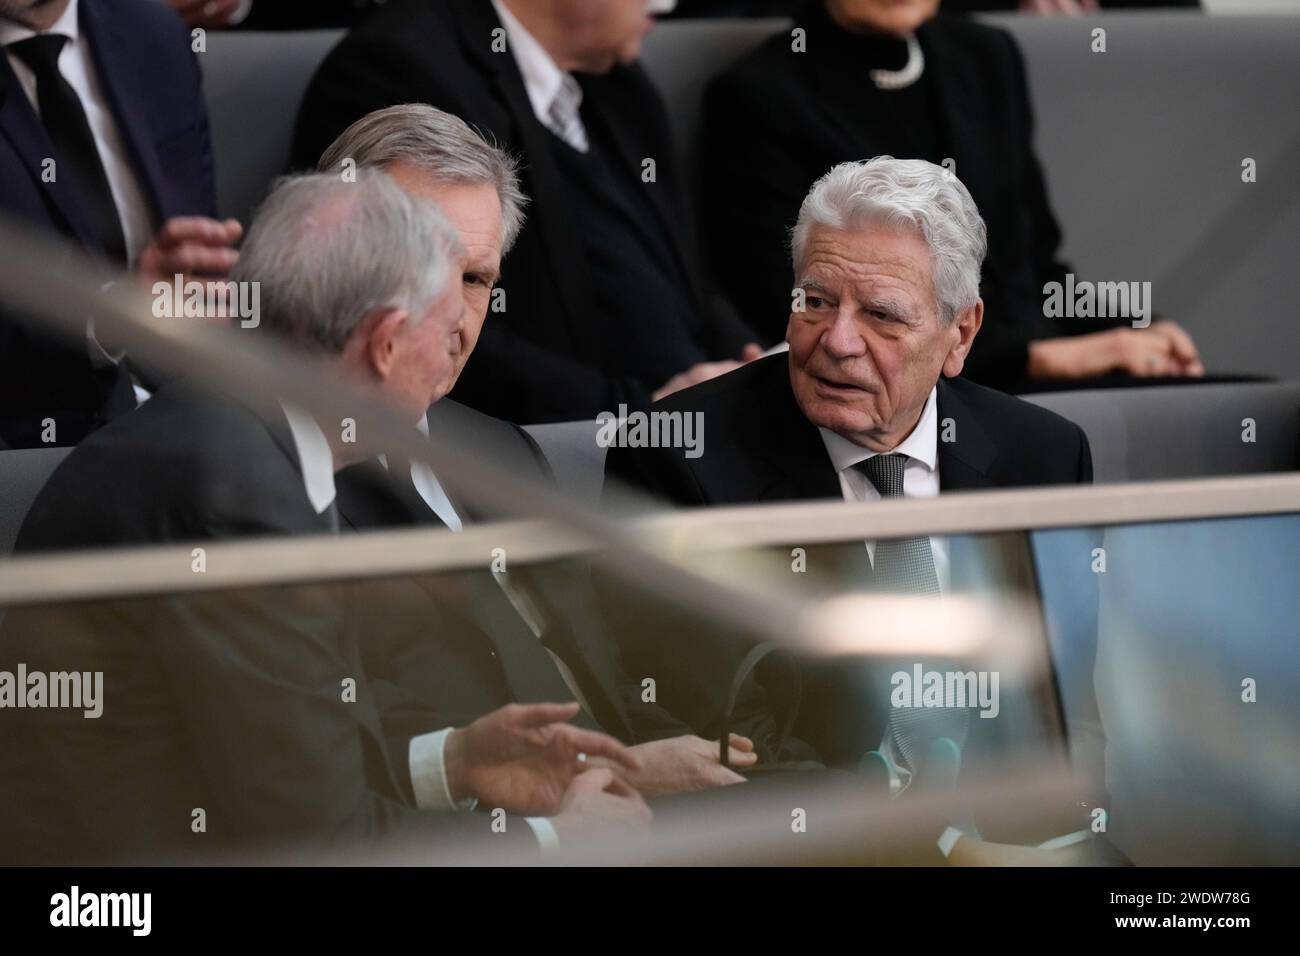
pixel 210 690
pixel 867 405
pixel 434 155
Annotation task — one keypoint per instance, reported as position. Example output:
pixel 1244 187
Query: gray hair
pixel 905 194
pixel 443 145
pixel 328 253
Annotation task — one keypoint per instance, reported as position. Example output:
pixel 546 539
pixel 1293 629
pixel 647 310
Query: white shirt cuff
pixel 948 839
pixel 544 830
pixel 1069 839
pixel 429 773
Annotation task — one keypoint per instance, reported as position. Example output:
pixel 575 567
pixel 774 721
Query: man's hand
pixel 685 763
pixel 523 757
pixel 208 14
pixel 599 803
pixel 1164 349
pixel 191 246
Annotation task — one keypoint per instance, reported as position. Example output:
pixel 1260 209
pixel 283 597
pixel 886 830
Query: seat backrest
pixel 576 458
pixel 23 472
pixel 1143 147
pixel 1186 431
pixel 254 84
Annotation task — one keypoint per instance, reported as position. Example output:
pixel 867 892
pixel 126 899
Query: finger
pixel 720 776
pixel 538 715
pixel 618 787
pixel 234 230
pixel 741 758
pixel 1183 346
pixel 739 743
pixel 191 259
pixel 200 229
pixel 593 781
pixel 750 352
pixel 595 744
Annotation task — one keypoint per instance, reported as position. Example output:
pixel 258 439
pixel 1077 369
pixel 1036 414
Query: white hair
pixel 328 253
pixel 909 194
pixel 440 144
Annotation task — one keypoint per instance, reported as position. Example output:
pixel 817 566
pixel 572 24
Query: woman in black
pixel 863 78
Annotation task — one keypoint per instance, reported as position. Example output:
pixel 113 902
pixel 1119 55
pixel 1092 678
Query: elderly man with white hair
pixel 887 253
pixel 867 404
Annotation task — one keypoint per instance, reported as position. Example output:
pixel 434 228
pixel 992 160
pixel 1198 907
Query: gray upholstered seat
pixel 1190 431
pixel 254 83
pixel 23 473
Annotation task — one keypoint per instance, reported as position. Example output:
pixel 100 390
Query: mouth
pixel 833 387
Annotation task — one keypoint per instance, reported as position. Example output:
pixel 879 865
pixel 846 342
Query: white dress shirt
pixel 920 474
pixel 425 753
pixel 544 81
pixel 76 64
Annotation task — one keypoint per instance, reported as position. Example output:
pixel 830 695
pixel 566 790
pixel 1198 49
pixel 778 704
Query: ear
pixel 380 340
pixel 964 329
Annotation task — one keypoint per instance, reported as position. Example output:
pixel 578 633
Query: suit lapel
pixel 965 463
pixel 793 462
pixel 475 23
pixel 22 127
pixel 620 120
pixel 112 53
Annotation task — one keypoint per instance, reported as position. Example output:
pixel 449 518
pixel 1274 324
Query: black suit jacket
pixel 549 356
pixel 436 647
pixel 234 701
pixel 771 129
pixel 759 447
pixel 153 86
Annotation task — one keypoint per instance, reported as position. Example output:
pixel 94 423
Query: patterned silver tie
pixel 906 566
pixel 563 112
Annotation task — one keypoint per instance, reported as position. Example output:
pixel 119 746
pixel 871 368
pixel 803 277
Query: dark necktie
pixel 75 153
pixel 907 566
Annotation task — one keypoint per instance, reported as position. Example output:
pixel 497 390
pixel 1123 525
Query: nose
pixel 842 337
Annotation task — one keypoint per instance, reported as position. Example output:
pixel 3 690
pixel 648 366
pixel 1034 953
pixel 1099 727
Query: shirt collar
pixel 314 457
pixel 921 444
pixel 542 76
pixel 66 25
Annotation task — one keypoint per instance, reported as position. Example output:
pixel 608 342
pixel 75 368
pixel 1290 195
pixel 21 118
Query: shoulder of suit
pixel 754 380
pixel 996 410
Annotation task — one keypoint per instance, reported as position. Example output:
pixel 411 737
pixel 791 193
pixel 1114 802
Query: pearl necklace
pixel 909 74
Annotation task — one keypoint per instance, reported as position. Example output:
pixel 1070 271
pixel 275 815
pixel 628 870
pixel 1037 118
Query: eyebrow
pixel 894 308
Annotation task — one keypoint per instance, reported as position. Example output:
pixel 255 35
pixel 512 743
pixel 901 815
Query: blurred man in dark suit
pixel 598 304
pixel 454 674
pixel 231 701
pixel 883 78
pixel 103 140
